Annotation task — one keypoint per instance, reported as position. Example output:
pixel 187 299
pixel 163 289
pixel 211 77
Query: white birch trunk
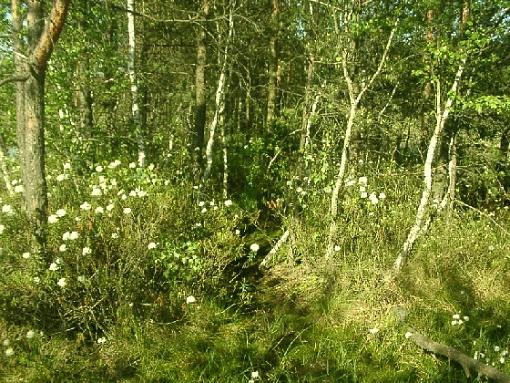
pixel 452 173
pixel 354 102
pixel 219 102
pixel 135 109
pixel 225 161
pixel 422 220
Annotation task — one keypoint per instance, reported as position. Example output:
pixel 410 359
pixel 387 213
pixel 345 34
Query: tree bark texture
pixel 305 129
pixel 200 87
pixel 133 78
pixel 41 38
pixel 219 102
pixel 83 91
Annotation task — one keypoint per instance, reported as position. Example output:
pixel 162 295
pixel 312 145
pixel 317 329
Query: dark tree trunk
pixel 274 70
pixel 41 38
pixel 32 153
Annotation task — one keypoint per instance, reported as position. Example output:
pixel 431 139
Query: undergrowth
pixel 152 279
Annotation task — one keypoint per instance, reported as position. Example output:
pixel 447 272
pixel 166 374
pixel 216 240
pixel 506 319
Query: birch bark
pixel 219 102
pixel 354 100
pixel 422 216
pixel 135 108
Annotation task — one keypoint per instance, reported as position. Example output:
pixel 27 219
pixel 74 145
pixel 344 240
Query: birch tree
pixel 422 214
pixel 273 65
pixel 452 144
pixel 200 86
pixel 135 108
pixel 220 105
pixel 355 98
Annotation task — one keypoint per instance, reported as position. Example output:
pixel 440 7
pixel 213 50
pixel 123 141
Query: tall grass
pixel 123 310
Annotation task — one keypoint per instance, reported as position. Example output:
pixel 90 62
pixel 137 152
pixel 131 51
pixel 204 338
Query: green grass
pixel 304 320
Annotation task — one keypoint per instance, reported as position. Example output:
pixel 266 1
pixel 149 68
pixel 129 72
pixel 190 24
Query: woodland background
pixel 263 190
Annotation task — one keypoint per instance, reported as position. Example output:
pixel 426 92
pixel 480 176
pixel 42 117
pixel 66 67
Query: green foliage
pixel 150 276
pixel 484 104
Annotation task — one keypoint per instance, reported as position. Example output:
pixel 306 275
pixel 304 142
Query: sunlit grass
pixel 169 290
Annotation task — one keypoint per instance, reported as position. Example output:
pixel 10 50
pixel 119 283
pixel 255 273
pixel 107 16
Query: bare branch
pixel 14 78
pixel 484 214
pixel 381 62
pixel 195 19
pixel 269 257
pixel 381 113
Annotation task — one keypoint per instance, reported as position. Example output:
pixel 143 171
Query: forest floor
pixel 303 319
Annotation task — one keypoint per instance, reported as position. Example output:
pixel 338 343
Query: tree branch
pixel 51 33
pixel 194 19
pixel 468 364
pixel 14 78
pixel 381 62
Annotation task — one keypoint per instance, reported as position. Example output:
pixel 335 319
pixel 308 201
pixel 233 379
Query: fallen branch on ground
pixel 272 253
pixel 468 364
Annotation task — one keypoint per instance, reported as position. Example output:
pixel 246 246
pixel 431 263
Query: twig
pixel 468 364
pixel 485 215
pixel 379 116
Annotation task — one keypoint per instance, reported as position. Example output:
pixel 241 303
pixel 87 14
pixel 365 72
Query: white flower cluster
pixel 362 182
pixel 53 218
pixel 457 320
pixel 7 209
pixel 70 236
pixel 501 355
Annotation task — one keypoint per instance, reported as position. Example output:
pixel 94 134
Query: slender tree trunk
pixel 219 102
pixel 422 218
pixel 272 85
pixel 133 78
pixel 504 145
pixel 429 38
pixel 33 154
pixel 147 132
pixel 225 161
pixel 4 169
pixel 19 67
pixel 200 88
pixel 247 103
pixel 305 130
pixel 84 93
pixel 354 100
pixel 449 196
pixel 85 96
pixel 452 172
pixel 333 210
pixel 31 124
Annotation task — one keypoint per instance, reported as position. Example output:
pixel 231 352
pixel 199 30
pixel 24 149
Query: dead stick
pixel 468 364
pixel 272 253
